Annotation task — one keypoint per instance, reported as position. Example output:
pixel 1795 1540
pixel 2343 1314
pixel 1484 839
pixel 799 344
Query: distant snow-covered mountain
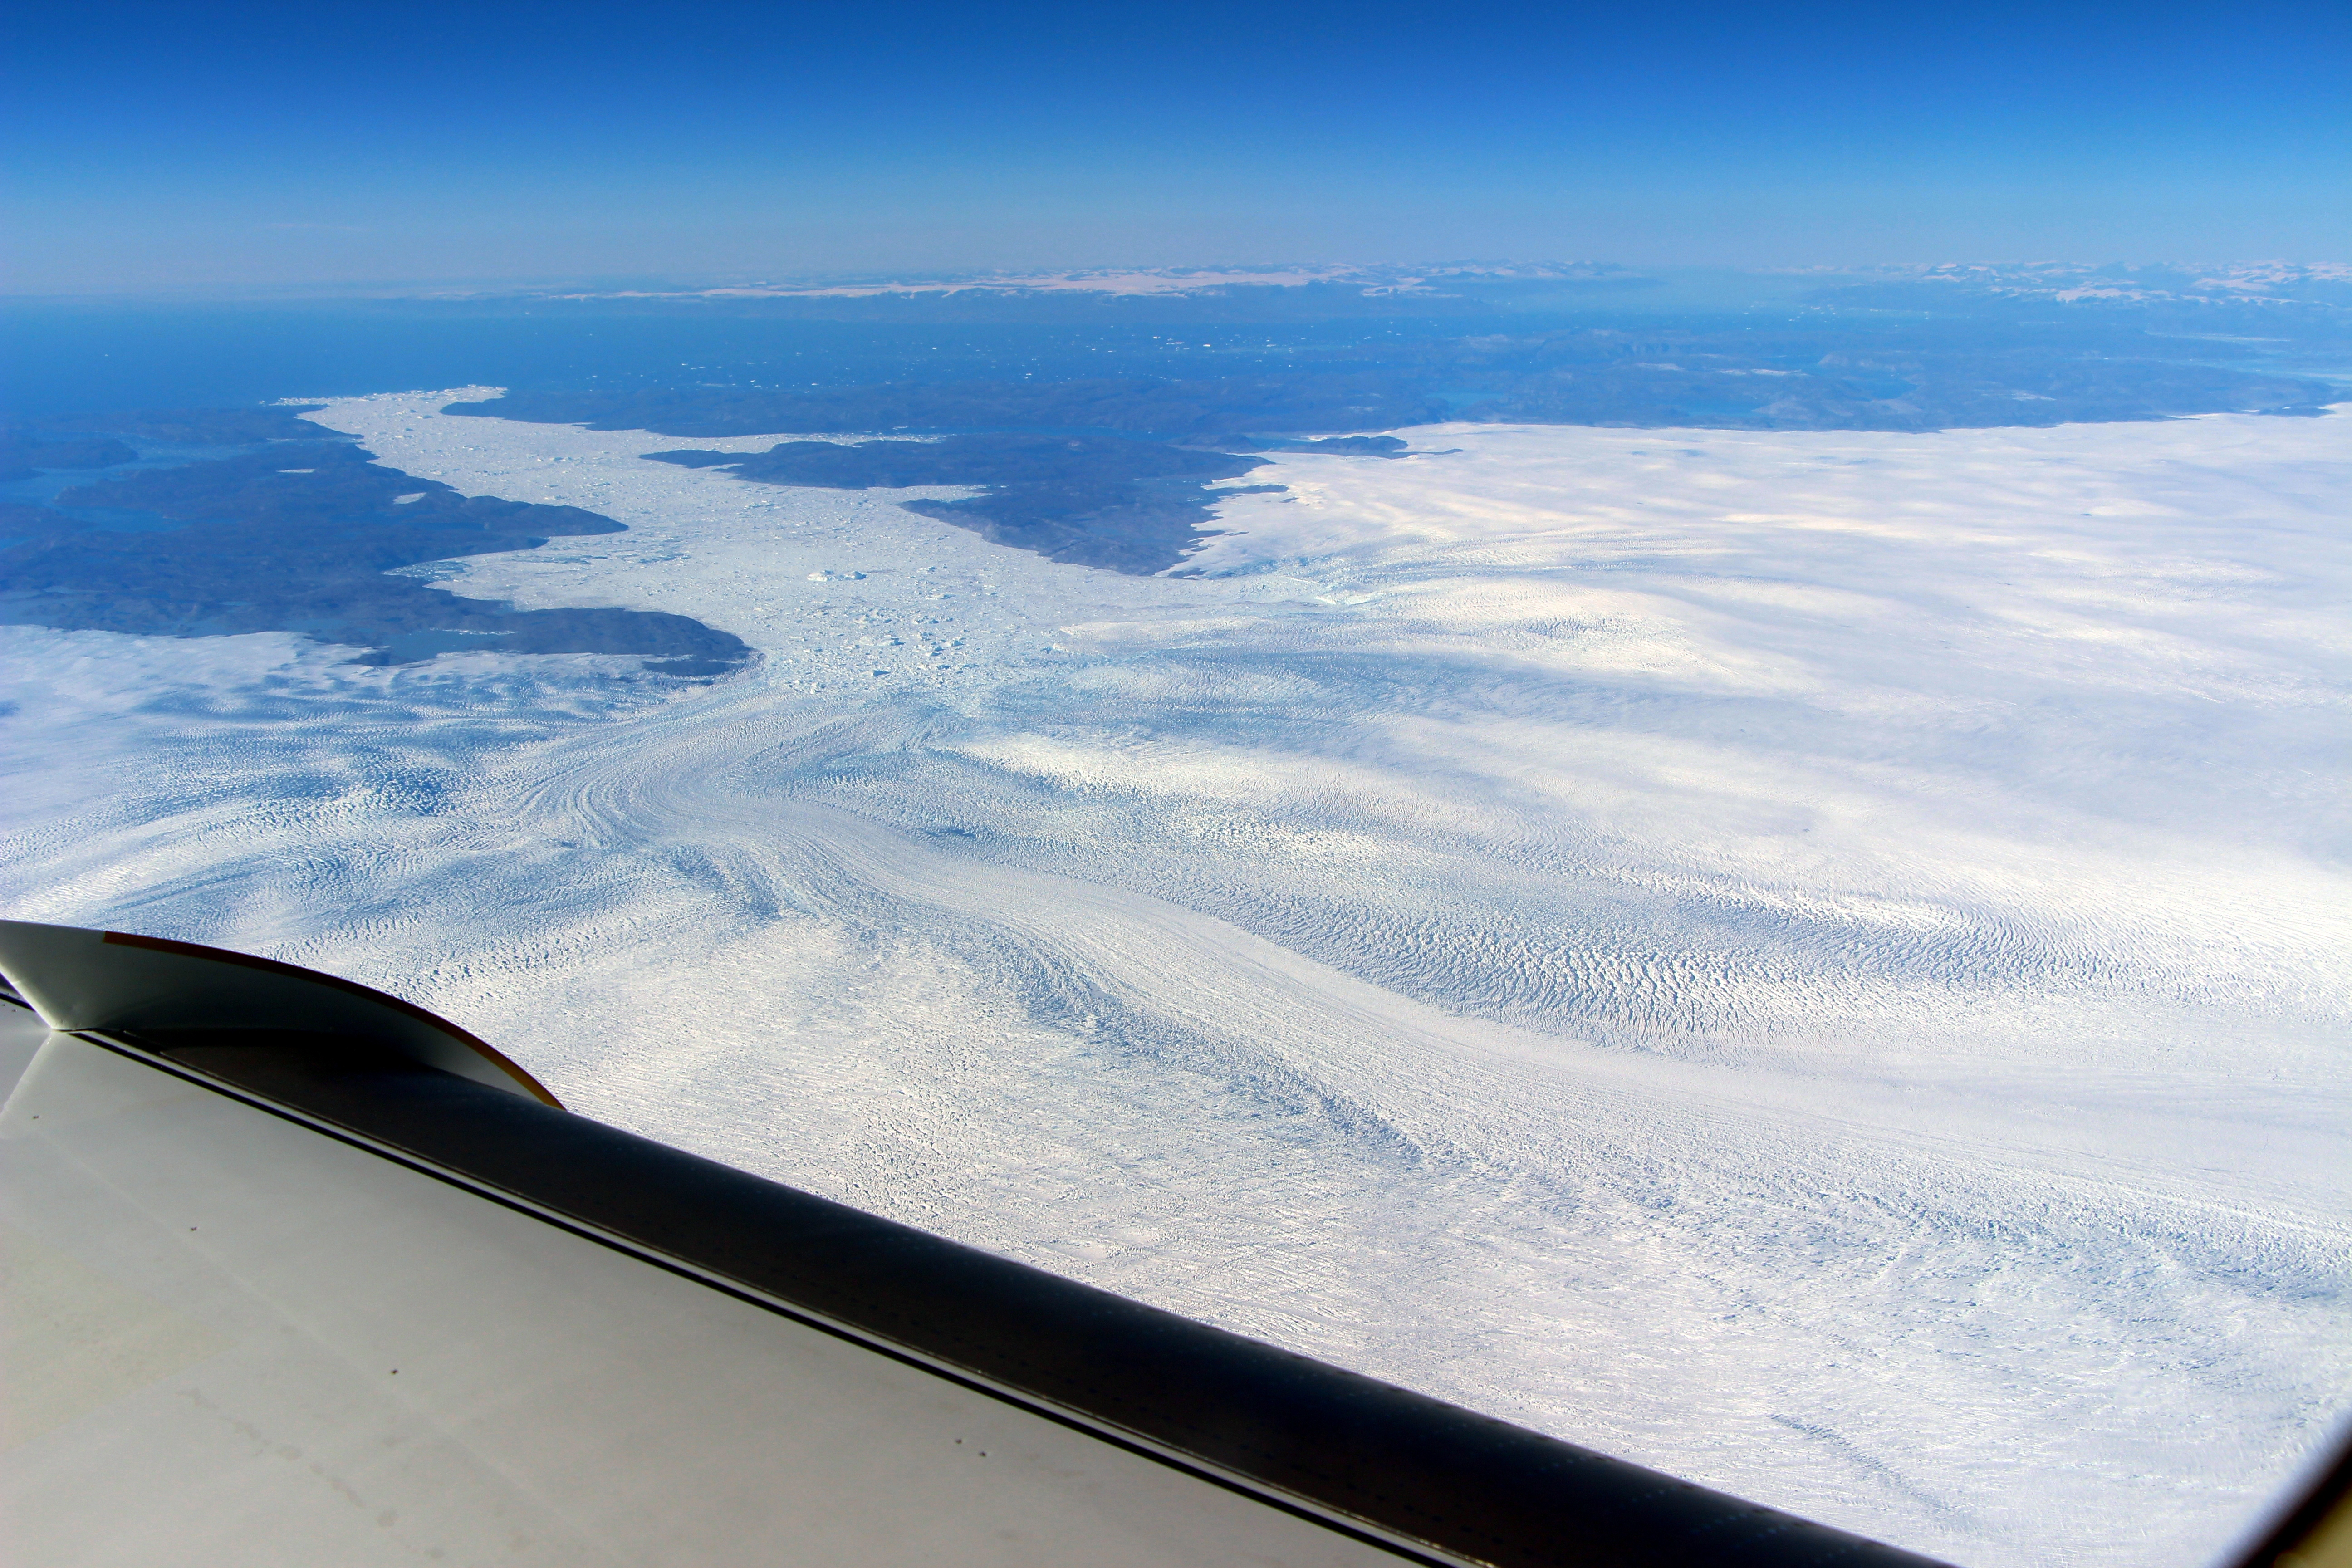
pixel 2283 283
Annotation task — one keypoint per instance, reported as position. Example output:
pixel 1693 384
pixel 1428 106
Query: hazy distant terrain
pixel 2286 295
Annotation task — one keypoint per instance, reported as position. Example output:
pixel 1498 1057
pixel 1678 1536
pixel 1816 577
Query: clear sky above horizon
pixel 235 146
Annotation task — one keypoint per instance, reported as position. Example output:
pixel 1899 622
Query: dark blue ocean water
pixel 66 358
pixel 79 358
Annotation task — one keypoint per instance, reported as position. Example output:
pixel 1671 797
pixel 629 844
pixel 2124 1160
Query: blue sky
pixel 235 146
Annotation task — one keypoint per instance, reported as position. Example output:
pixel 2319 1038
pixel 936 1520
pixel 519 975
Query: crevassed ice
pixel 1813 960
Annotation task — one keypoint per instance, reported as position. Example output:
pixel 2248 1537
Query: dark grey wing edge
pixel 1427 1481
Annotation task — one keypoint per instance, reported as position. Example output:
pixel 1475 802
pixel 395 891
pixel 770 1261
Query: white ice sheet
pixel 1814 961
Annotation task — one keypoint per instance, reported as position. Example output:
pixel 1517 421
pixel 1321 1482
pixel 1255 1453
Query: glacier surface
pixel 1817 961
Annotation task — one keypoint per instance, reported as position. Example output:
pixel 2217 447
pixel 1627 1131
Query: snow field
pixel 1815 961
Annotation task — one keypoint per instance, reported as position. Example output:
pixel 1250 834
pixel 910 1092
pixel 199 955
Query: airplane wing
pixel 297 1273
